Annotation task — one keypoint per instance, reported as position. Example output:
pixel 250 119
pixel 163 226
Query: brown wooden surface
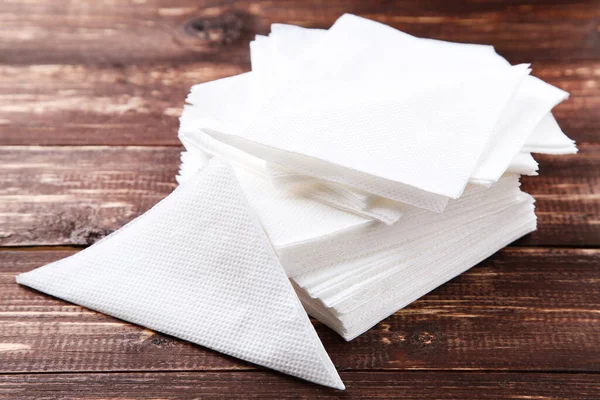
pixel 369 385
pixel 90 92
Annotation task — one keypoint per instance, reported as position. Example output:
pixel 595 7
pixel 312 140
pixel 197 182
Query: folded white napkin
pixel 205 106
pixel 378 272
pixel 342 108
pixel 404 278
pixel 197 266
pixel 372 117
pixel 532 101
pixel 303 257
pixel 420 173
pixel 275 56
pixel 401 242
pixel 548 138
pixel 351 325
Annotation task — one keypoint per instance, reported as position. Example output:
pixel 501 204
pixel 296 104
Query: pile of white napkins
pixel 366 165
pixel 380 165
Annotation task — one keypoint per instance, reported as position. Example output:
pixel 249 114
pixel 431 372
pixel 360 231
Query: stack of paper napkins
pixel 380 165
pixel 366 165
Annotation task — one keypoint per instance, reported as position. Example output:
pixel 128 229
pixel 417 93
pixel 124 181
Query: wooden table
pixel 90 92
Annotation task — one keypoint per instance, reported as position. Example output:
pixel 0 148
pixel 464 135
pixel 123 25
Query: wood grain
pixel 523 309
pixel 77 195
pixel 135 31
pixel 360 385
pixel 95 105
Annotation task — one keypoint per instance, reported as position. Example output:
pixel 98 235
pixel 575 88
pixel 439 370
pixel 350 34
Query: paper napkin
pixel 533 100
pixel 333 95
pixel 382 282
pixel 549 138
pixel 419 279
pixel 197 266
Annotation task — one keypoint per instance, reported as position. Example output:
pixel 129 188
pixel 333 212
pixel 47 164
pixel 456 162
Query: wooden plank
pixel 140 104
pixel 269 385
pixel 567 193
pixel 76 195
pixel 105 31
pixel 522 309
pixel 91 105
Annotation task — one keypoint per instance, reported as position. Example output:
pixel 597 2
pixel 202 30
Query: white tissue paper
pixel 332 95
pixel 197 266
pixel 418 143
pixel 548 138
pixel 532 101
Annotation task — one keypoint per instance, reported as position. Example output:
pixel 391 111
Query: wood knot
pixel 222 29
pixel 89 235
pixel 159 341
pixel 425 338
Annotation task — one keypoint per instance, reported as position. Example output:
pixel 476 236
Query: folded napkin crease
pixel 197 266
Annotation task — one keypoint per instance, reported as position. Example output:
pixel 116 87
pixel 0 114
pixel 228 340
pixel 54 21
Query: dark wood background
pixel 90 92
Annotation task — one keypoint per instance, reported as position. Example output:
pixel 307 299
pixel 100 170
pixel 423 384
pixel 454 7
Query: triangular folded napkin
pixel 197 266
